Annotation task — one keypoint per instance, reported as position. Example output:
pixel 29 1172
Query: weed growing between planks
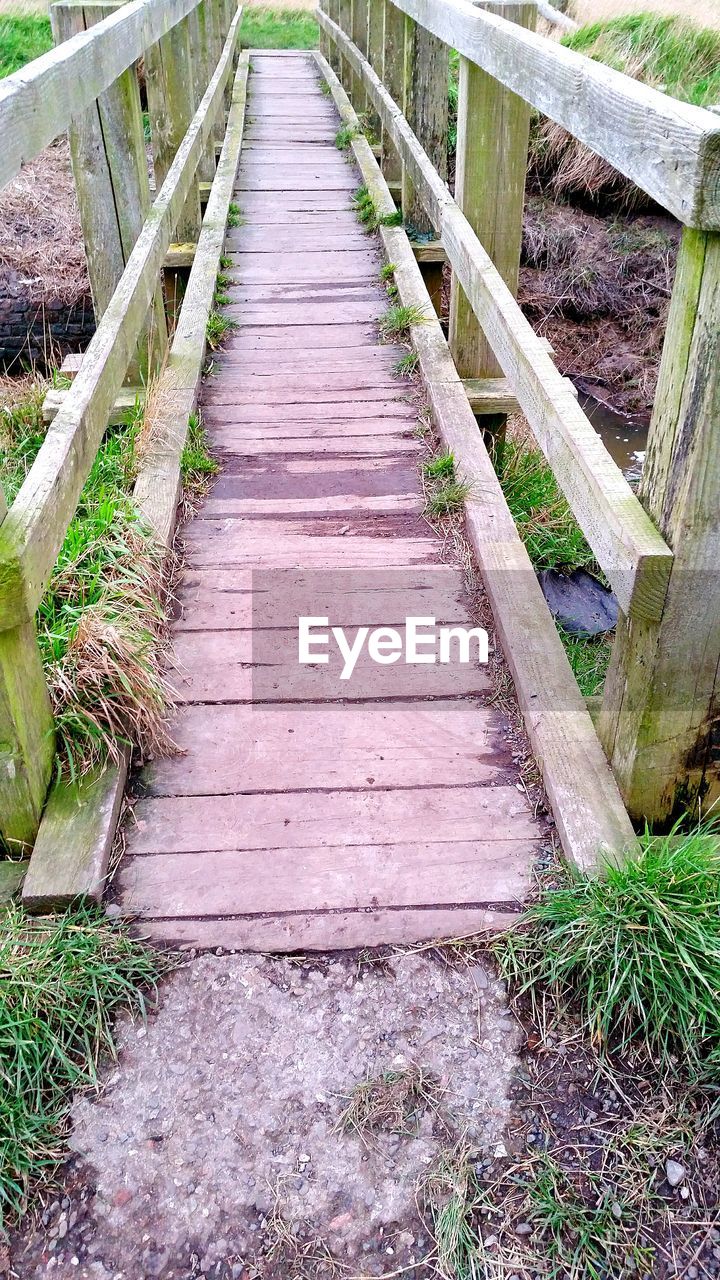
pixel 217 329
pixel 444 493
pixel 235 215
pixel 197 466
pixel 368 214
pixel 62 979
pixel 397 322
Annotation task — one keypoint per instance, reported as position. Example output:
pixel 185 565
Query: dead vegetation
pixel 392 1103
pixel 41 244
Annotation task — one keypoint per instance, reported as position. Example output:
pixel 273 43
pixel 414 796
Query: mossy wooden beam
pixel 392 75
pixel 628 547
pixel 171 106
pixel 27 741
pixel 33 530
pixel 661 707
pixel 359 35
pixel 586 804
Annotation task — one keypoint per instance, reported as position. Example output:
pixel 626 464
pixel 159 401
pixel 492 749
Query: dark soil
pixel 598 287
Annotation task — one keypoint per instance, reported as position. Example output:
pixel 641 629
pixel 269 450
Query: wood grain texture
pixel 667 147
pixel 590 817
pixel 39 102
pixel 306 801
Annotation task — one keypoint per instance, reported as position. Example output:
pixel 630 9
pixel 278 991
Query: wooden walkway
pixel 298 818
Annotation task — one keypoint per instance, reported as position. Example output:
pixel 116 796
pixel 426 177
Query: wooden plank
pixel 432 815
pixel 459 874
pixel 27 740
pixel 588 811
pixel 331 741
pixel 125 402
pixel 238 666
pixel 425 106
pixel 32 533
pixel 72 850
pixel 629 549
pixel 220 599
pixel 310 931
pixel 659 713
pixel 12 875
pixel 171 107
pixel 668 148
pixel 38 102
pixel 278 544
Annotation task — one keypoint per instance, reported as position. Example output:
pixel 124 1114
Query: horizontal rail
pixel 668 148
pixel 629 549
pixel 38 102
pixel 32 532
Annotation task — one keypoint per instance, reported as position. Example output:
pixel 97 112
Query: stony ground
pixel 214 1146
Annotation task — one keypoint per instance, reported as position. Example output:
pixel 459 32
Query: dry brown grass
pixel 40 234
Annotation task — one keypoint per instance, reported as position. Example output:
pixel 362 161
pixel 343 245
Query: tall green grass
pixel 278 29
pixel 670 53
pixel 61 982
pixel 23 36
pixel 634 952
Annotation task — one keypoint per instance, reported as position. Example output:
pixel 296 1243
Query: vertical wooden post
pixel 393 77
pixel 491 164
pixel 107 147
pixel 324 43
pixel 332 8
pixel 426 64
pixel 359 36
pixel 344 19
pixel 376 35
pixel 27 742
pixel 659 719
pixel 200 38
pixel 171 106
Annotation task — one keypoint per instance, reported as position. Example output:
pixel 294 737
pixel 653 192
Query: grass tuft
pixel 217 328
pixel 387 272
pixel 544 520
pixel 444 493
pixel 391 1103
pixel 442 467
pixel 405 367
pixel 636 953
pixel 62 979
pixel 453 1198
pixel 398 321
pixel 235 217
pixel 197 465
pixel 345 135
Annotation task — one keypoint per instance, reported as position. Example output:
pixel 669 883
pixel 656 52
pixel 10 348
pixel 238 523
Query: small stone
pixel 685 1193
pixel 113 909
pixel 523 1229
pixel 674 1172
pixel 616 1210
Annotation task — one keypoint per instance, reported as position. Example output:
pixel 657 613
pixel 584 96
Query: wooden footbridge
pixel 301 812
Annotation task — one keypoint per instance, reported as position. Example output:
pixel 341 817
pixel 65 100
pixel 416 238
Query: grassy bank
pixel 61 983
pixel 278 29
pixel 23 36
pixel 102 621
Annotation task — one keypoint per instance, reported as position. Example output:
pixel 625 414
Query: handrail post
pixel 376 25
pixel 426 62
pixel 332 9
pixel 491 165
pixel 107 148
pixel 359 36
pixel 171 106
pixel 344 21
pixel 203 67
pixel 27 742
pixel 393 77
pixel 659 716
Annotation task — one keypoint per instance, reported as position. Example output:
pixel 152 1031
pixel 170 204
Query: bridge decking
pixel 295 819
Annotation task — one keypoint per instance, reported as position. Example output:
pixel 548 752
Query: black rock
pixel 581 604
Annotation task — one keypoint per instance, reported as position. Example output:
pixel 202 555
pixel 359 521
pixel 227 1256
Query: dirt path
pixel 214 1149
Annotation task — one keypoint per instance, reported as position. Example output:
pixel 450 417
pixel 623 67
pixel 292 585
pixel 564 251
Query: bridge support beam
pixel 659 717
pixel 492 146
pixel 392 75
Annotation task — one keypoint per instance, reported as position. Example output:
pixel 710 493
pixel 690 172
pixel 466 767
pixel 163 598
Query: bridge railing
pixel 660 551
pixel 89 85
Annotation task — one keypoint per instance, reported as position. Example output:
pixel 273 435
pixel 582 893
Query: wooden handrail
pixel 668 148
pixel 33 530
pixel 38 102
pixel 628 547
